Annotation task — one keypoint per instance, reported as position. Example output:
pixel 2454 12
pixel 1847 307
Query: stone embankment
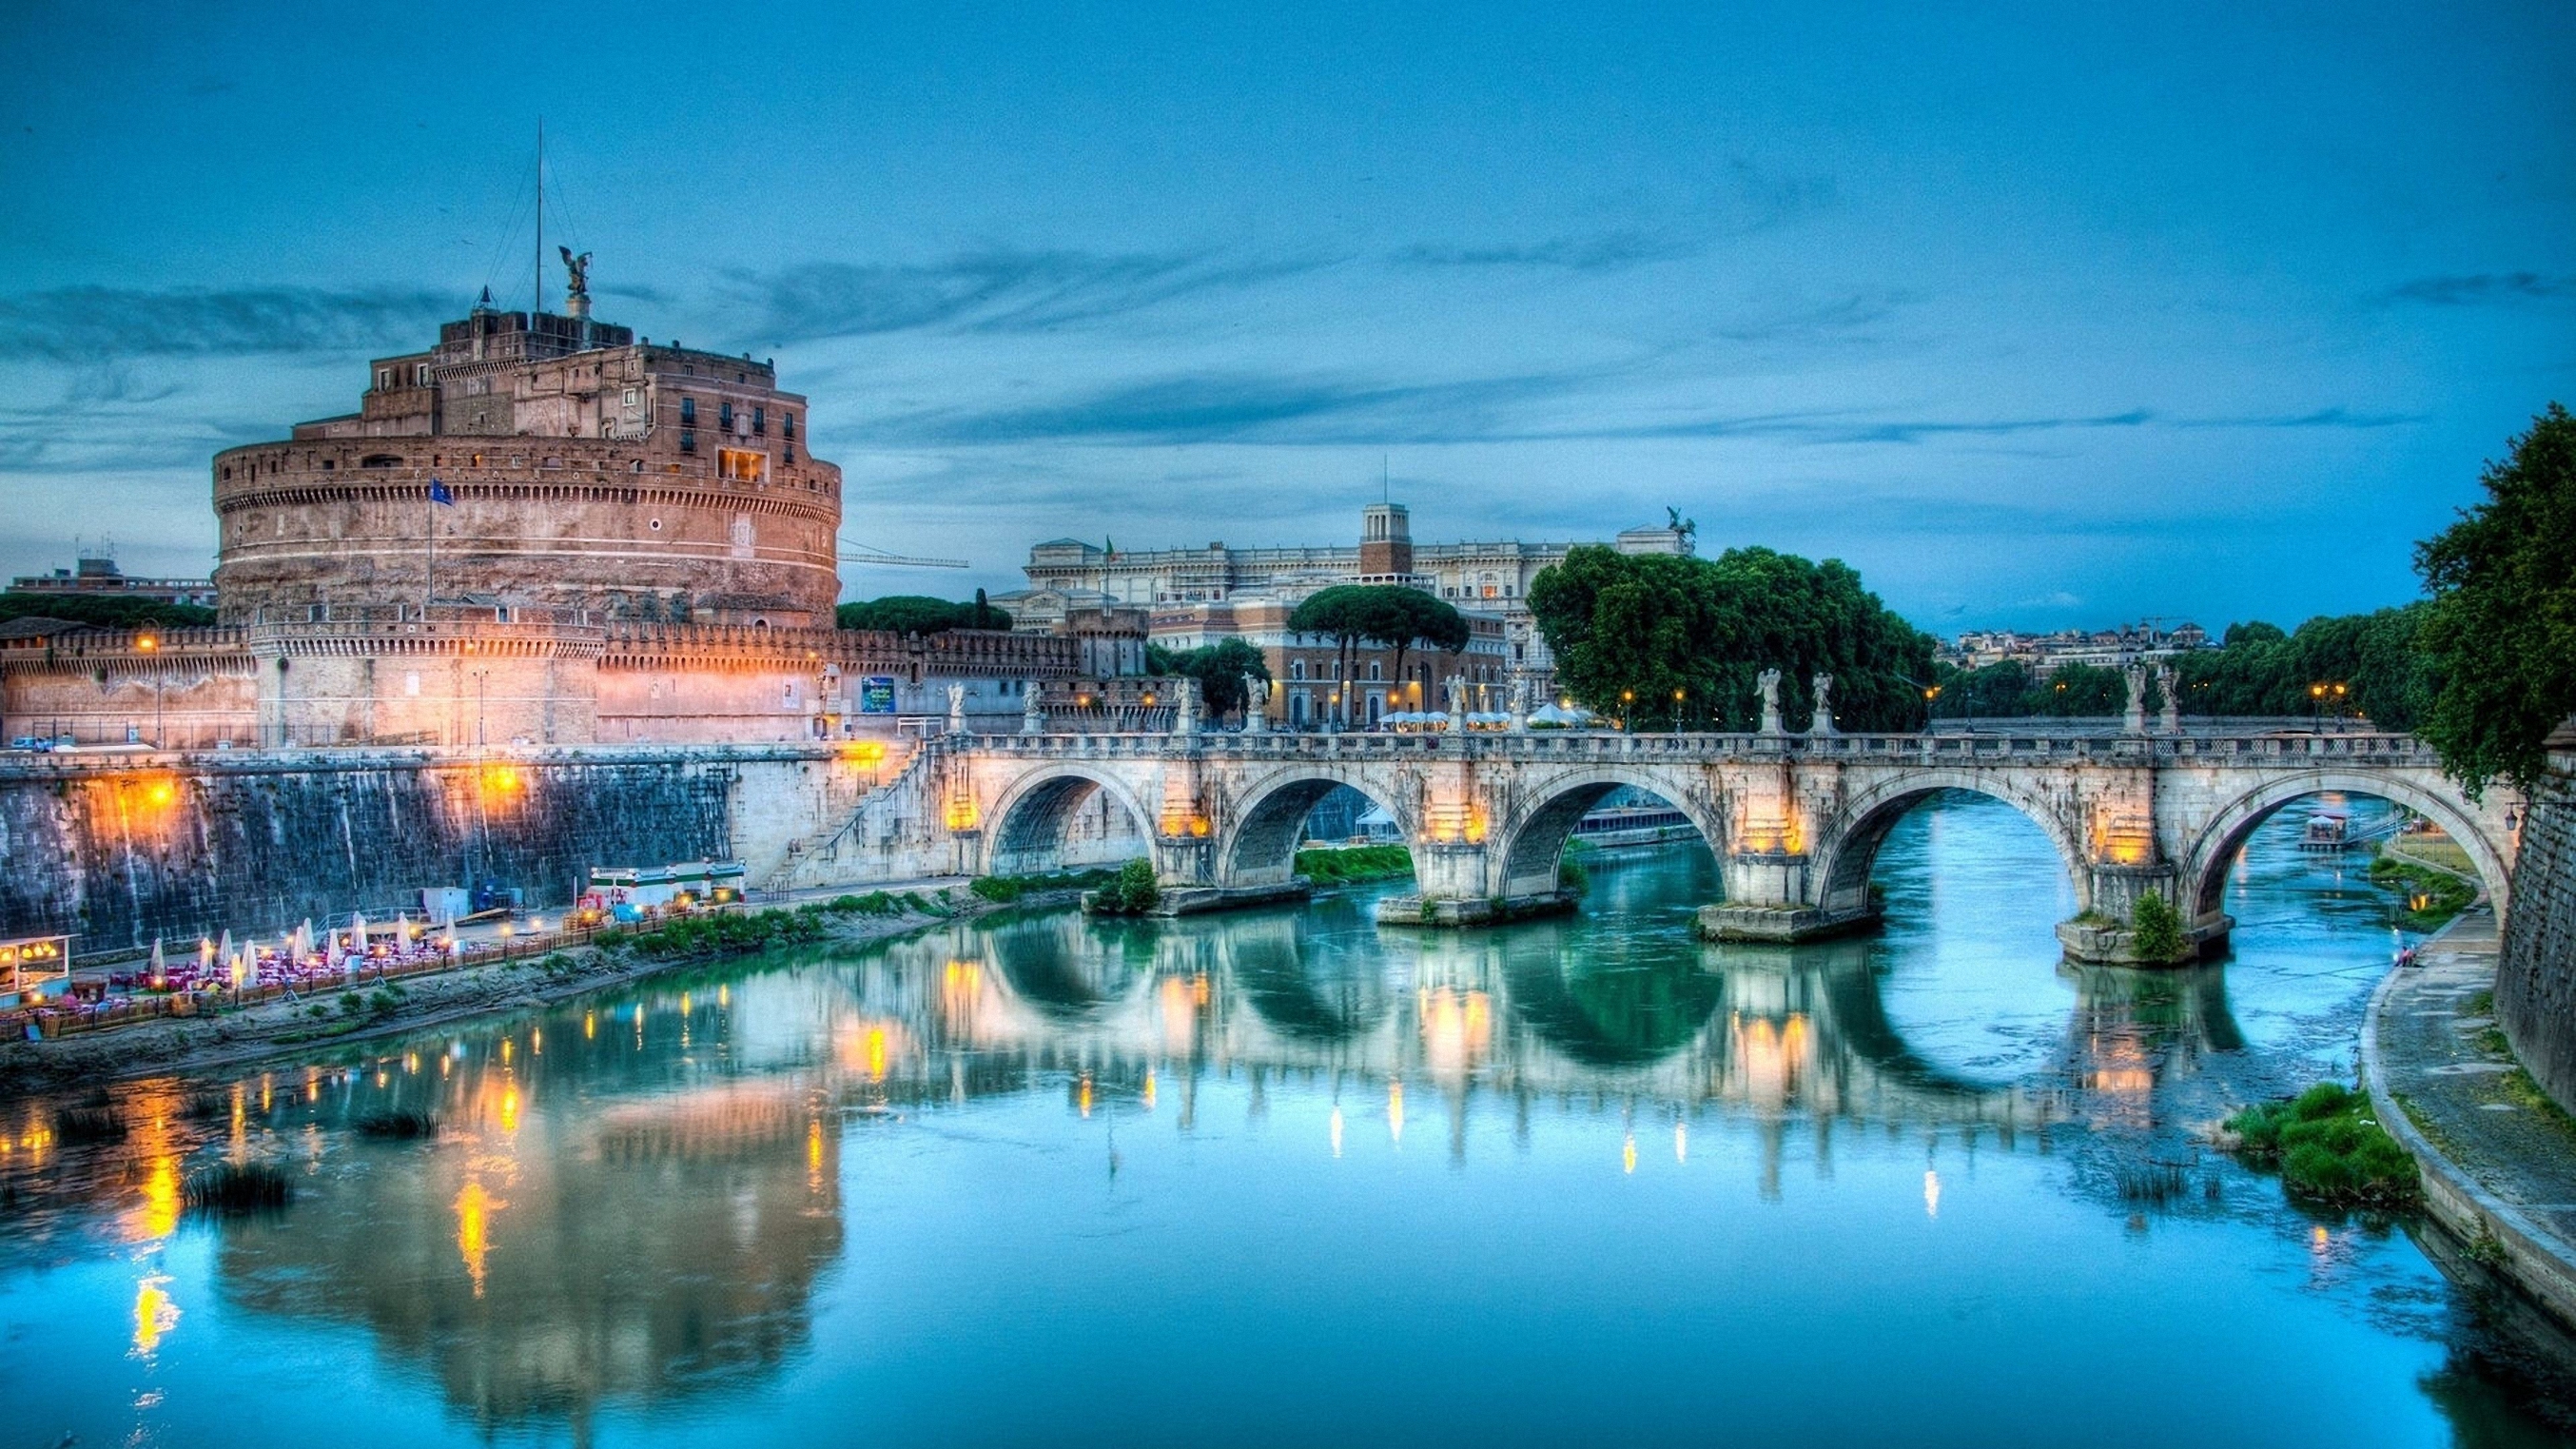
pixel 2498 1157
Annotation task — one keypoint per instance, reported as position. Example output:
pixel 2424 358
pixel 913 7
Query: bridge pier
pixel 1454 880
pixel 1768 898
pixel 2103 935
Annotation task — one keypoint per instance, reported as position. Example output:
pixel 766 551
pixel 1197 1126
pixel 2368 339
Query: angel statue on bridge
pixel 1769 682
pixel 1823 723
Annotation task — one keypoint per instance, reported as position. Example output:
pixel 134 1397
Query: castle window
pixel 759 419
pixel 724 415
pixel 688 412
pixel 791 455
pixel 688 440
pixel 420 375
pixel 384 378
pixel 787 424
pixel 741 465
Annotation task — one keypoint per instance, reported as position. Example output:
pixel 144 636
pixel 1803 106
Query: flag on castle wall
pixel 438 493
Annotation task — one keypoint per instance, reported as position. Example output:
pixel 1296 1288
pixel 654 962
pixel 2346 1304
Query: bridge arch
pixel 1531 841
pixel 2215 849
pixel 1846 846
pixel 1259 844
pixel 1032 817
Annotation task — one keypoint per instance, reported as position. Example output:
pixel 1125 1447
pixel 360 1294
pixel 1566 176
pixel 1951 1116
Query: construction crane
pixel 860 553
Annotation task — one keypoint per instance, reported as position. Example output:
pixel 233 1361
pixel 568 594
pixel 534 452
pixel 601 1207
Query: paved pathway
pixel 2500 1163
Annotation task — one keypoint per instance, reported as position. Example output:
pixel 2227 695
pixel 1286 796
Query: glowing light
pixel 814 1146
pixel 510 1109
pixel 1931 1193
pixel 1628 1154
pixel 876 1053
pixel 1681 1142
pixel 590 1026
pixel 1336 1126
pixel 1395 1112
pixel 962 814
pixel 1149 1089
pixel 1082 1096
pixel 154 1314
pixel 474 1209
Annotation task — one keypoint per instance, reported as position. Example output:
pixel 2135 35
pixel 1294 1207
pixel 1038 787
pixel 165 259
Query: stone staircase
pixel 836 854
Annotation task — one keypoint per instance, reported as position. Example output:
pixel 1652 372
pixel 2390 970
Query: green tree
pixel 2500 633
pixel 1667 639
pixel 1389 616
pixel 106 612
pixel 921 614
pixel 1219 669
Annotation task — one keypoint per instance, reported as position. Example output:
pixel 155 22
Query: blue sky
pixel 2036 315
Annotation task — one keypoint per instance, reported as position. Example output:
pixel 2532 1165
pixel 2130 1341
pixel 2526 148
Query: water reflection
pixel 649 1199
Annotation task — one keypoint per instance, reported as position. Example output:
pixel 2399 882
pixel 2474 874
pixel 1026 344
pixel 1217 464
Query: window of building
pixel 760 419
pixel 420 375
pixel 787 424
pixel 688 412
pixel 724 415
pixel 384 378
pixel 1296 669
pixel 1374 674
pixel 688 440
pixel 741 465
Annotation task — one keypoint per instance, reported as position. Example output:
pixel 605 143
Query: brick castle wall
pixel 2536 977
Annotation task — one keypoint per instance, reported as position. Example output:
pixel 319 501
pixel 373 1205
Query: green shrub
pixel 1571 875
pixel 2155 929
pixel 2328 1148
pixel 350 1005
pixel 2441 894
pixel 1132 892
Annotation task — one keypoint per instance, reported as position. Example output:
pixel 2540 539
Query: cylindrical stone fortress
pixel 581 470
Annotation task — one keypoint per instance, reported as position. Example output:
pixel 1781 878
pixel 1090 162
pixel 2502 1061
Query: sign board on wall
pixel 876 694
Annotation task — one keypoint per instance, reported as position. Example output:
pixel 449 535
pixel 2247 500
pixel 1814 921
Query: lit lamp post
pixel 151 644
pixel 1627 711
pixel 1678 697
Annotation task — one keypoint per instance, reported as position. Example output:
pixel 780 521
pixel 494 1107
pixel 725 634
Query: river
pixel 1283 1177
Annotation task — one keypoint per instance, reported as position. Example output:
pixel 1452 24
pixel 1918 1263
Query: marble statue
pixel 1769 682
pixel 1823 723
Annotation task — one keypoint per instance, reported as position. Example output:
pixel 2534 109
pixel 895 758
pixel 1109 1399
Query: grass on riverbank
pixel 1340 865
pixel 739 932
pixel 2433 896
pixel 2328 1148
pixel 1003 890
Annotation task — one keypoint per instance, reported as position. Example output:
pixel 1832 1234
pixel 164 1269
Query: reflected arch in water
pixel 1534 832
pixel 1033 821
pixel 1260 848
pixel 2212 855
pixel 1847 847
pixel 1607 1010
pixel 1065 969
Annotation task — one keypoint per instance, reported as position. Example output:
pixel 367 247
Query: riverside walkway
pixel 2499 1161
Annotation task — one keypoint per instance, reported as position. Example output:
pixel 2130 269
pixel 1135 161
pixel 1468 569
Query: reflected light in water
pixel 1395 1112
pixel 474 1208
pixel 1681 1142
pixel 154 1313
pixel 1931 1193
pixel 1628 1152
pixel 1337 1131
pixel 1149 1089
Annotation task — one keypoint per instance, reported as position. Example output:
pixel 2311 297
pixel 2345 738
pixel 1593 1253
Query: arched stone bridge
pixel 1795 820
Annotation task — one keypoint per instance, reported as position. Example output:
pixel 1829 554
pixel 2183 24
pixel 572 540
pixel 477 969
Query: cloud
pixel 1001 290
pixel 1605 251
pixel 1197 409
pixel 98 323
pixel 2476 288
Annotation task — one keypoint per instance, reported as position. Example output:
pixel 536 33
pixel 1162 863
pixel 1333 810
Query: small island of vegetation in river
pixel 2329 1148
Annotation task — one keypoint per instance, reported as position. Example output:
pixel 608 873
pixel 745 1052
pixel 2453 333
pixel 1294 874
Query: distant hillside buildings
pixel 2045 654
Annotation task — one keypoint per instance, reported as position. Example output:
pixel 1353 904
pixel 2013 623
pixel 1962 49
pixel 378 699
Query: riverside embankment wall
pixel 119 850
pixel 2536 975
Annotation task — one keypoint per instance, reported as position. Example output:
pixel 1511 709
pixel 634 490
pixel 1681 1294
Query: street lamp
pixel 151 644
pixel 1627 710
pixel 1678 697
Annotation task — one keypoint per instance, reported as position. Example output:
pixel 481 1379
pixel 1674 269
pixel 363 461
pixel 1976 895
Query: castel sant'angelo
pixel 538 531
